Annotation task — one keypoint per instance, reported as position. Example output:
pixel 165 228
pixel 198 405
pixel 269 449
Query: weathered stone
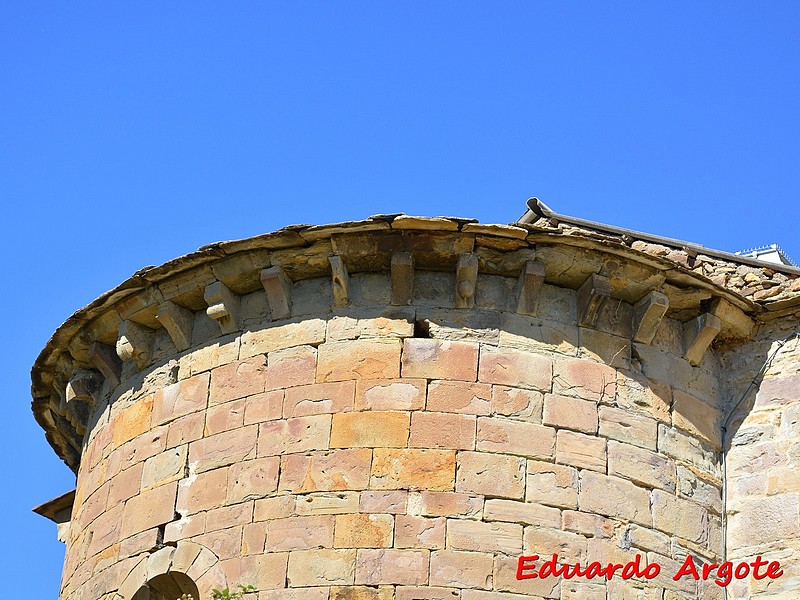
pixel 647 315
pixel 529 287
pixel 390 394
pixel 570 547
pixel 613 497
pixel 507 366
pixel 584 379
pixel 582 451
pixel 178 321
pixel 336 470
pixel 370 429
pixel 455 396
pixel 442 430
pixel 238 379
pixel 327 503
pixel 223 306
pixel 402 278
pixel 570 413
pixel 419 532
pixel 290 367
pixel 466 279
pixel 363 531
pixel 629 427
pixel 278 288
pixel 299 434
pixel 391 502
pixel 591 295
pixel 515 437
pixel 223 449
pixel 149 509
pixel 641 466
pixel 698 335
pixel 491 474
pixel 440 359
pixel 358 359
pixel 300 533
pixel 280 336
pixel 526 513
pixel 680 517
pixel 696 417
pixel 253 479
pixel 164 468
pixel 445 504
pixel 550 484
pixel 451 568
pixel 413 469
pixel 516 402
pixel 321 567
pixel 390 566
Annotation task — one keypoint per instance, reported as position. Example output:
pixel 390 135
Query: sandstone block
pixel 440 359
pixel 648 539
pixel 466 534
pixel 291 367
pixel 182 398
pixel 582 451
pixel 445 504
pixel 570 547
pixel 267 571
pixel 613 497
pixel 228 517
pixel 507 366
pixel 202 492
pixel 413 469
pixel 363 531
pixel 459 397
pixel 149 509
pixel 124 485
pixel 457 569
pixel 361 592
pixel 321 567
pixel 278 337
pixel 370 430
pixel 164 468
pixel 253 479
pixel 491 474
pixel 570 413
pixel 641 466
pixel 551 484
pixel 299 434
pixel 652 398
pixel 515 437
pixel 679 517
pixel 391 502
pixel 585 379
pixel 223 449
pixel 254 538
pixel 319 398
pixel 696 417
pixel 299 533
pixel 276 507
pixel 517 402
pixel 629 427
pixel 419 532
pixel 358 359
pixel 682 447
pixel 263 407
pixel 390 394
pixel 133 421
pixel 426 593
pixel 327 503
pixel 238 379
pixel 391 566
pixel 224 417
pixel 337 470
pixel 397 323
pixel 521 512
pixel 185 429
pixel 442 430
pixel 588 525
pixel 505 580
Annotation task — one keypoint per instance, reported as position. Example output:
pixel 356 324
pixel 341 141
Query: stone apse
pixel 399 408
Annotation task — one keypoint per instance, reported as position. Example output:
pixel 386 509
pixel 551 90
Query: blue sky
pixel 133 133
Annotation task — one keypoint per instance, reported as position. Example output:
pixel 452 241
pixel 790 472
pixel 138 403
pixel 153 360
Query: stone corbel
pixel 278 287
pixel 340 282
pixel 178 321
pixel 529 287
pixel 135 342
pixel 698 335
pixel 647 316
pixel 591 296
pixel 105 359
pixel 466 280
pixel 223 306
pixel 79 398
pixel 402 278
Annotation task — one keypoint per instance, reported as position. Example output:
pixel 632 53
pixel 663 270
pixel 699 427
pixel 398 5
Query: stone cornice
pixel 92 344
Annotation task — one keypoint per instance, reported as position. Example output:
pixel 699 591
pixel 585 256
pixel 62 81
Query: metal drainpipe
pixel 724 516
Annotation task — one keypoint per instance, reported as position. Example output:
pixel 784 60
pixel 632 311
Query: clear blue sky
pixel 131 133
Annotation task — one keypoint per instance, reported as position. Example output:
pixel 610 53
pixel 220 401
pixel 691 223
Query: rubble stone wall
pixel 376 452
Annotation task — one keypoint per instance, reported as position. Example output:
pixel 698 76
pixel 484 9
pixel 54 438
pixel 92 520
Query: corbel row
pixel 135 341
pixel 648 312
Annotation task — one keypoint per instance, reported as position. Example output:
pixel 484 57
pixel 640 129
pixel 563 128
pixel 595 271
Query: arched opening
pixel 169 586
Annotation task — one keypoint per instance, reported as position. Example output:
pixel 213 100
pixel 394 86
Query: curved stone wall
pixel 377 451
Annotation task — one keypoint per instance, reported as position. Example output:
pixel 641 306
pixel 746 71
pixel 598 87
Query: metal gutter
pixel 538 209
